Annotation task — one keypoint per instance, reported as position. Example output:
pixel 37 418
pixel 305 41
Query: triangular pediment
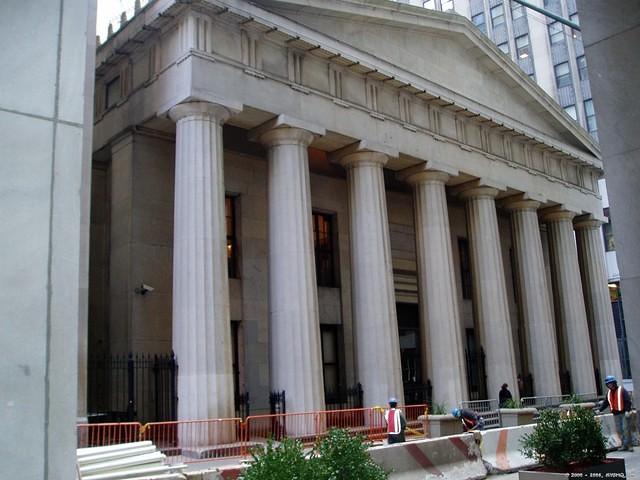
pixel 445 51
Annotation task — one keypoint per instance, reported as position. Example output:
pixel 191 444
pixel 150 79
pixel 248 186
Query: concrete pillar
pixel 568 299
pixel 533 293
pixel 201 325
pixel 596 294
pixel 374 306
pixel 439 313
pixel 489 288
pixel 296 360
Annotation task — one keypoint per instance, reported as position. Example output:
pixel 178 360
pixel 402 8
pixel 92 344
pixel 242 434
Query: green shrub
pixel 277 462
pixel 339 456
pixel 511 403
pixel 561 438
pixel 438 409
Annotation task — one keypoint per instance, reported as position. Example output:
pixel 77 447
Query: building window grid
pixel 465 268
pixel 447 5
pixel 232 242
pixel 522 46
pixel 556 33
pixel 571 110
pixel 431 4
pixel 478 21
pixel 590 115
pixel 517 10
pixel 504 47
pixel 323 242
pixel 497 15
pixel 330 361
pixel 581 61
pixel 113 92
pixel 563 74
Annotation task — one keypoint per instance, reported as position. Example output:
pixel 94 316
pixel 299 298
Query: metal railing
pixel 487 409
pixel 201 440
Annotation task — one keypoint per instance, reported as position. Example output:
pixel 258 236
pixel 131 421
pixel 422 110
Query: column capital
pixel 219 113
pixel 428 172
pixel 585 222
pixel 283 129
pixel 523 201
pixel 558 213
pixel 363 152
pixel 479 188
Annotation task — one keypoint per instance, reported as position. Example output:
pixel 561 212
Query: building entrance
pixel 416 387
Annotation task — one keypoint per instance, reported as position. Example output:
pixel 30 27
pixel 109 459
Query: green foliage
pixel 272 462
pixel 339 456
pixel 438 409
pixel 511 403
pixel 574 398
pixel 561 438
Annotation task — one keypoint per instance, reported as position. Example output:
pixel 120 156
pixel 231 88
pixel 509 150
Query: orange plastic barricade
pixel 103 434
pixel 196 440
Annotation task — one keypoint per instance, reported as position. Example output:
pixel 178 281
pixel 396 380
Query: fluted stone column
pixel 296 361
pixel 373 295
pixel 569 300
pixel 533 293
pixel 596 293
pixel 201 325
pixel 489 288
pixel 439 312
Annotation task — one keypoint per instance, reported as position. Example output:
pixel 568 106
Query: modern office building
pixel 549 52
pixel 292 196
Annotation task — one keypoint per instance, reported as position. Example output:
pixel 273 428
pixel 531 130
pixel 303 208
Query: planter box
pixel 514 417
pixel 441 425
pixel 609 466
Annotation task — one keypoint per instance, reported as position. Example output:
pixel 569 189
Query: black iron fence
pixel 277 402
pixel 476 374
pixel 242 405
pixel 418 393
pixel 565 382
pixel 132 387
pixel 349 398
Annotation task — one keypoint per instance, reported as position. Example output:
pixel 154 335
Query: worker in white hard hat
pixel 618 401
pixel 396 423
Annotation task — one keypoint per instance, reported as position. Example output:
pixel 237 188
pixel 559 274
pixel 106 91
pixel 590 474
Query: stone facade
pixel 417 160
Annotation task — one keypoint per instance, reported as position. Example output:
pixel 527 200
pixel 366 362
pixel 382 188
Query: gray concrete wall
pixel 45 117
pixel 611 35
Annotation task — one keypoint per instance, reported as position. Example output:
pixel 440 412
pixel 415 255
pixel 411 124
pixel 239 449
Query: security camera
pixel 143 289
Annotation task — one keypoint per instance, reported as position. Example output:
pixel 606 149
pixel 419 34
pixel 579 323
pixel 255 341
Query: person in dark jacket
pixel 618 401
pixel 504 396
pixel 470 420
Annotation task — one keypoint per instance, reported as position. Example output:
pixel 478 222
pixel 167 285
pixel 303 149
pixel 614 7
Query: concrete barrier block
pixel 450 458
pixel 501 449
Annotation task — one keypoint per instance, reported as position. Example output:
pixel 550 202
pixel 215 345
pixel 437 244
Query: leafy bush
pixel 511 403
pixel 339 456
pixel 438 409
pixel 563 438
pixel 277 462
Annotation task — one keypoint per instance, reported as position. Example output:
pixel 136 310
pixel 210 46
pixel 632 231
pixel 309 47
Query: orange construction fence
pixel 201 440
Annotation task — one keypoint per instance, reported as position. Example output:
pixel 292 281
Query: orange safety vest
pixel 468 423
pixel 615 399
pixel 394 421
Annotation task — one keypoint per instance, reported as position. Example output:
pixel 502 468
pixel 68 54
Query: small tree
pixel 277 462
pixel 563 438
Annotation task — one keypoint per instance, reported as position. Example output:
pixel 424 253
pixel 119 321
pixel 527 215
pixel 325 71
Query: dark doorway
pixel 416 390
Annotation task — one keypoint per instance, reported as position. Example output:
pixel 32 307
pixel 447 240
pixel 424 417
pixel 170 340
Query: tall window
pixel 112 93
pixel 504 47
pixel 429 4
pixel 478 21
pixel 232 244
pixel 590 113
pixel 607 233
pixel 582 67
pixel 563 74
pixel 522 46
pixel 447 5
pixel 571 110
pixel 497 15
pixel 517 10
pixel 330 360
pixel 556 33
pixel 465 267
pixel 324 251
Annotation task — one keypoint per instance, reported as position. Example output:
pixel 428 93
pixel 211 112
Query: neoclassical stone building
pixel 326 192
